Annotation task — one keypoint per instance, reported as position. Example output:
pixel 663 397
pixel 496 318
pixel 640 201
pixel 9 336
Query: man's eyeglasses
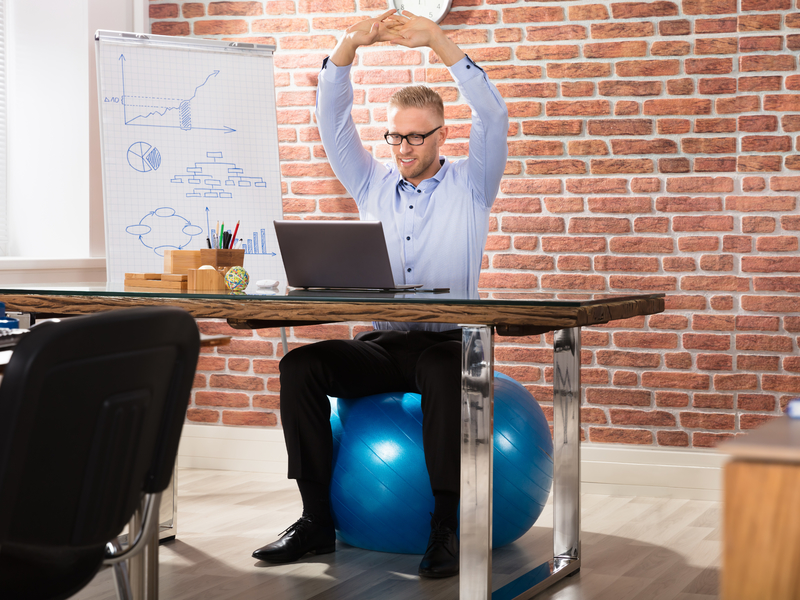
pixel 414 139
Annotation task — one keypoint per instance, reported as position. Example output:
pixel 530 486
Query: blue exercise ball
pixel 380 493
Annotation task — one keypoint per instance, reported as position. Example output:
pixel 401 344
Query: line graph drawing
pixel 159 229
pixel 157 111
pixel 143 157
pixel 213 177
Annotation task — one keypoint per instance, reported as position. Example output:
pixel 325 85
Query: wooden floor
pixel 633 548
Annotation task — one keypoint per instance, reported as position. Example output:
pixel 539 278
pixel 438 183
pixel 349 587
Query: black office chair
pixel 91 411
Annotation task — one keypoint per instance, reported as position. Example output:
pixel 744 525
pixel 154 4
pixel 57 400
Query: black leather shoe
pixel 441 557
pixel 304 536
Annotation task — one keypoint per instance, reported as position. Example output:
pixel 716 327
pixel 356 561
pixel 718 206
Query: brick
pixel 699 184
pixel 726 125
pixel 713 323
pixel 701 420
pixel 673 126
pixel 609 435
pixel 708 7
pixel 508 280
pixel 708 145
pixel 588 12
pixel 620 127
pixel 648 339
pixel 661 146
pixel 530 186
pixel 552 128
pixel 626 263
pixel 737 381
pixel 767 5
pixel 552 33
pixel 763 342
pixel 642 10
pixel 575 89
pixel 718 401
pixel 737 243
pixel 693 106
pixel 792 42
pixel 598 225
pixel 679 263
pixel 677 27
pixel 602 31
pixel 231 400
pixel 717 85
pixel 793 163
pixel 756 123
pixel 672 438
pixel 533 224
pixel 715 283
pixel 671 48
pixel 765 43
pixel 647 68
pixel 706 341
pixel 523 261
pixel 698 243
pixel 531 90
pixel 760 203
pixel 238 382
pixel 532 14
pixel 671 399
pixel 470 17
pixel 674 165
pixel 615 49
pixel 766 143
pixel 708 66
pixel 753 184
pixel 649 245
pixel 554 167
pixel 793 82
pixel 618 358
pixel 675 380
pixel 520 205
pixel 573 282
pixel 587 148
pixel 248 9
pixel 625 378
pixel 649 283
pixel 574 263
pixel 767 62
pixel 715 165
pixel 678 360
pixel 613 166
pixel 763 402
pixel 723 25
pixel 597 185
pixel 786 243
pixel 781 383
pixel 782 102
pixel 201 415
pixel 175 28
pixel 163 11
pixel 716 45
pixel 680 87
pixel 753 362
pixel 651 418
pixel 753 164
pixel 703 223
pixel 626 108
pixel 759 23
pixel 217 27
pixel 191 10
pixel 547 52
pixel 566 108
pixel 790 363
pixel 247 417
pixel 709 440
pixel 737 104
pixel 684 302
pixel 781 304
pixel 612 396
pixel 575 70
pixel 571 244
pixel 615 204
pixel 716 262
pixel 643 185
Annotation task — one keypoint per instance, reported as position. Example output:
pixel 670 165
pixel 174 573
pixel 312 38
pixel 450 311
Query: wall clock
pixel 435 10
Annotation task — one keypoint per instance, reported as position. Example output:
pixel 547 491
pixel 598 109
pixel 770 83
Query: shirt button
pixel 468 66
pixel 411 206
pixel 419 191
pixel 409 270
pixel 408 237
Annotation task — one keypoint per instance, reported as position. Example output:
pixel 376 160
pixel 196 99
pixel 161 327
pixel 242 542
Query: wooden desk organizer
pixel 203 280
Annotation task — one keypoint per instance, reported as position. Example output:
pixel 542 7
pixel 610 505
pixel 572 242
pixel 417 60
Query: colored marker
pixel 235 231
pixel 221 229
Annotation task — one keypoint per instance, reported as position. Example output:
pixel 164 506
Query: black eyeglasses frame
pixel 424 136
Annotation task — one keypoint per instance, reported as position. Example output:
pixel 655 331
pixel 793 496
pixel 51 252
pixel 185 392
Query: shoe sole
pixel 282 559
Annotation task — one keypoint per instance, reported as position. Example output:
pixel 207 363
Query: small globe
pixel 237 279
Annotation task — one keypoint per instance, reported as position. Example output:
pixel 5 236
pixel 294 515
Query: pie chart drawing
pixel 143 157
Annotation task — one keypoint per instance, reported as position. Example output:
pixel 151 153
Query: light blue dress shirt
pixel 436 232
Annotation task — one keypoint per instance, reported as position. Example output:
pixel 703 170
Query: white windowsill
pixel 52 270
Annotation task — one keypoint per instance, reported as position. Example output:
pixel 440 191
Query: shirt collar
pixel 438 177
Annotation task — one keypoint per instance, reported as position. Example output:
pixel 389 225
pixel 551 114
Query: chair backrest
pixel 91 411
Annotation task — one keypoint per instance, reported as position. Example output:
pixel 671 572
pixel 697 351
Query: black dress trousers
pixel 428 363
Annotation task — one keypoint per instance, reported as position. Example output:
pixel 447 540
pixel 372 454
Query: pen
pixel 208 241
pixel 221 230
pixel 235 231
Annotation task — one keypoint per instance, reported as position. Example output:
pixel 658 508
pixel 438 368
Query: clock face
pixel 435 10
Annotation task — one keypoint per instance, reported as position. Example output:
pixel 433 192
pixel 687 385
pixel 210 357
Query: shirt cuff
pixel 330 72
pixel 465 70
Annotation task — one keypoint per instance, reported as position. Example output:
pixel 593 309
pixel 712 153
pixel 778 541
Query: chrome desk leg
pixel 566 473
pixel 477 373
pixel 168 511
pixel 143 567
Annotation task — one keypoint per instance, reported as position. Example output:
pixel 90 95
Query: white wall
pixel 54 180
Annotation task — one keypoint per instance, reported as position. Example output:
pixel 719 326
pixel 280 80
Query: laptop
pixel 348 255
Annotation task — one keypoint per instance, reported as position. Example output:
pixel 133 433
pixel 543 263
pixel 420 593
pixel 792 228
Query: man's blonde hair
pixel 418 96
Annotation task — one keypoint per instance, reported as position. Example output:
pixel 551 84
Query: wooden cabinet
pixel 761 518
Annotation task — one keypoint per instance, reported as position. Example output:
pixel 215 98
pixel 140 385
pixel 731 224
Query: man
pixel 435 217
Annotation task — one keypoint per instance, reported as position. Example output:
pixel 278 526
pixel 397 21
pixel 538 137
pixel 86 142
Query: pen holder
pixel 222 260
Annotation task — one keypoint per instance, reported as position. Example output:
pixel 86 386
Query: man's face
pixel 417 163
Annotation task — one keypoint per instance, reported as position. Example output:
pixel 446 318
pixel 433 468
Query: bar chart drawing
pixel 162 229
pixel 258 245
pixel 213 176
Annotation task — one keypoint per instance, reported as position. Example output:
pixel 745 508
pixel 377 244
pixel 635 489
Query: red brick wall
pixel 653 146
